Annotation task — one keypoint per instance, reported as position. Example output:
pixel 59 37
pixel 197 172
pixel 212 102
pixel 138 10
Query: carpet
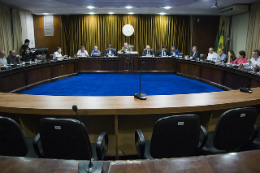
pixel 121 85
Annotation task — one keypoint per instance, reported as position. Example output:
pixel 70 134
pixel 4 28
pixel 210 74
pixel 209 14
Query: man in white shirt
pixel 254 62
pixel 212 55
pixel 57 54
pixel 3 60
pixel 82 52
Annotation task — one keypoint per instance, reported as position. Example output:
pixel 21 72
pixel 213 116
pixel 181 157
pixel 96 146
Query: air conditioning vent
pixel 234 10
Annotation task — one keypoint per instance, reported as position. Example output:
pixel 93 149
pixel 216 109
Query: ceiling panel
pixel 180 7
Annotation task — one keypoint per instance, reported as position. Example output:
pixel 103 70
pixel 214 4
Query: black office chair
pixel 173 136
pixel 12 140
pixel 67 139
pixel 235 128
pixel 255 141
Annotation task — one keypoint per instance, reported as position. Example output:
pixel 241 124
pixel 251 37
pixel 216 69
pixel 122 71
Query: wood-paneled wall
pixel 50 42
pixel 204 32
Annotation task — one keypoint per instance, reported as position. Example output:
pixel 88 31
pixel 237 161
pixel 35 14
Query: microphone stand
pixel 88 166
pixel 140 95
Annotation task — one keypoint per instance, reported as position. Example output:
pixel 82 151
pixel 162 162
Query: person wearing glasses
pixel 109 51
pixel 82 52
pixel 57 54
pixel 254 62
pixel 148 51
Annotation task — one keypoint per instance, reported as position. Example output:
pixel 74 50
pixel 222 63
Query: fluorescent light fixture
pixel 91 13
pixel 128 7
pixel 162 13
pixel 45 13
pixel 131 13
pixel 167 7
pixel 111 13
pixel 90 7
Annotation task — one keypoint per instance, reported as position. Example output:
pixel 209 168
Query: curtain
pixel 6 40
pixel 253 41
pixel 10 40
pixel 17 31
pixel 102 30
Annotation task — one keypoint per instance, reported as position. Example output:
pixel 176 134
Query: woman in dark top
pixel 231 56
pixel 26 56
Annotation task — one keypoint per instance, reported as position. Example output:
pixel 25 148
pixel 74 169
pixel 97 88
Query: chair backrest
pixel 132 47
pixel 12 141
pixel 234 128
pixel 41 57
pixel 64 139
pixel 175 136
pixel 151 49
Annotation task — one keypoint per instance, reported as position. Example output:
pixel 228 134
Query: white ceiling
pixel 181 7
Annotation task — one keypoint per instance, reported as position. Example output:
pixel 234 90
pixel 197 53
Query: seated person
pixel 57 54
pixel 3 60
pixel 109 51
pixel 231 56
pixel 95 50
pixel 222 56
pixel 241 58
pixel 175 52
pixel 163 52
pixel 25 46
pixel 82 52
pixel 212 55
pixel 13 58
pixel 254 61
pixel 26 57
pixel 126 48
pixel 195 53
pixel 148 51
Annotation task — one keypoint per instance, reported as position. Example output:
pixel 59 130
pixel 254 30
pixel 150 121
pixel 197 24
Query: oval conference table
pixel 121 116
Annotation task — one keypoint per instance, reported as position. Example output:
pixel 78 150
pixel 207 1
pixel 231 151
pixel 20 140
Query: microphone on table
pixel 245 89
pixel 88 166
pixel 140 95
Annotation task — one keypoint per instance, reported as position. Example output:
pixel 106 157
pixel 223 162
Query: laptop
pixel 96 54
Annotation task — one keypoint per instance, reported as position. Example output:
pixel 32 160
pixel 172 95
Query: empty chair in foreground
pixel 235 128
pixel 67 139
pixel 12 140
pixel 173 136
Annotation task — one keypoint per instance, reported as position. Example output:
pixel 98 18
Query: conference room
pixel 129 86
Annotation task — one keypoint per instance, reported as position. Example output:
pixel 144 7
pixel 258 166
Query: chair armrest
pixel 100 149
pixel 36 145
pixel 205 137
pixel 255 133
pixel 140 146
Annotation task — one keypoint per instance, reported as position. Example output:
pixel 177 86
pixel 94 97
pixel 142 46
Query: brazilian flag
pixel 221 40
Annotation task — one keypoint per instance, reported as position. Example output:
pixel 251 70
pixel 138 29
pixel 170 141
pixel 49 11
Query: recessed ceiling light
pixel 128 7
pixel 110 12
pixel 167 7
pixel 45 13
pixel 131 13
pixel 90 7
pixel 162 13
pixel 91 13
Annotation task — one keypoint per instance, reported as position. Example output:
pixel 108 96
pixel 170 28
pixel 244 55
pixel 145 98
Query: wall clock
pixel 128 30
